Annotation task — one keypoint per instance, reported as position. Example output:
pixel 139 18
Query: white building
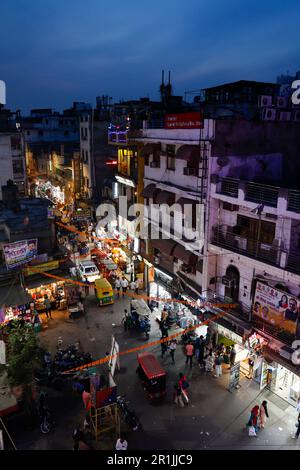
pixel 12 160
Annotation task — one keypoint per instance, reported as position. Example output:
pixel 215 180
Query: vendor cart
pixel 140 316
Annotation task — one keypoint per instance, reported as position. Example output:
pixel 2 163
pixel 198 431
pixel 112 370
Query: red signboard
pixel 184 121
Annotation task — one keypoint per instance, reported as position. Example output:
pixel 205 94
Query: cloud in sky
pixel 53 52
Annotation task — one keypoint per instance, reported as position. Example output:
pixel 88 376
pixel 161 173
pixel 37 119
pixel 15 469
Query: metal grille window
pixel 228 186
pixel 294 201
pixel 260 193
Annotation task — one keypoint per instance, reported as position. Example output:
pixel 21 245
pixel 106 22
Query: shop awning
pixel 37 281
pixel 189 153
pixel 184 255
pixel 164 246
pixel 148 149
pixel 14 296
pixel 150 191
pixel 165 197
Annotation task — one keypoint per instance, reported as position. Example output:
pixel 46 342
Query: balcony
pixel 228 187
pixel 261 194
pixel 267 253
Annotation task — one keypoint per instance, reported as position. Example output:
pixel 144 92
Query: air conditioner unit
pixel 282 102
pixel 264 101
pixel 230 207
pixel 284 116
pixel 226 281
pixel 296 116
pixel 154 165
pixel 214 179
pixel 269 114
pixel 190 171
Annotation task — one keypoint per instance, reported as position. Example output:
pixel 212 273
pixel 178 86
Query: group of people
pixel 121 285
pixel 208 357
pixel 258 418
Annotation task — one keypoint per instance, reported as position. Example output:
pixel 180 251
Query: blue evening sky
pixel 53 52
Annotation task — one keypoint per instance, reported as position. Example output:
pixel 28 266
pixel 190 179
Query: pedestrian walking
pixel 232 355
pixel 189 352
pixel 251 366
pixel 121 444
pixel 132 286
pixel 298 428
pixel 253 420
pixel 164 347
pixel 118 286
pixel 178 400
pixel 124 284
pixel 218 365
pixel 172 349
pixel 201 352
pixel 125 320
pixel 263 414
pixel 209 361
pixel 48 307
pixel 183 384
pixel 86 287
pixel 80 442
pixel 163 328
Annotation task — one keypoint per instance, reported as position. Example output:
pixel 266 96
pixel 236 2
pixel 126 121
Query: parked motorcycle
pixel 47 422
pixel 129 416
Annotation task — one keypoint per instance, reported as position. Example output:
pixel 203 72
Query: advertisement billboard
pixel 184 121
pixel 276 307
pixel 19 253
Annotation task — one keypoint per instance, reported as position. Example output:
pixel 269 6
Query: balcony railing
pixel 268 253
pixel 294 201
pixel 262 194
pixel 228 187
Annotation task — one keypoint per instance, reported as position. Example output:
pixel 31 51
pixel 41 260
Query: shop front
pixel 15 304
pixel 223 335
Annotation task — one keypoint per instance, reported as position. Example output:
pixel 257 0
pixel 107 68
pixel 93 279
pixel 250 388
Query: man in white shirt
pixel 118 286
pixel 121 444
pixel 124 284
pixel 132 286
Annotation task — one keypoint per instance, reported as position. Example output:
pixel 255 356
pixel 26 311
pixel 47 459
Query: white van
pixel 88 269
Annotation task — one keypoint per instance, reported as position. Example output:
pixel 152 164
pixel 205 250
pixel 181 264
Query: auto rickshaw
pixel 104 292
pixel 152 376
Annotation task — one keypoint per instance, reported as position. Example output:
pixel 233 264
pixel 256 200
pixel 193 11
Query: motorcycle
pixel 47 423
pixel 129 416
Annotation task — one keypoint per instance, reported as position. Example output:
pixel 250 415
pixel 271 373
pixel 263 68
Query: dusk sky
pixel 54 52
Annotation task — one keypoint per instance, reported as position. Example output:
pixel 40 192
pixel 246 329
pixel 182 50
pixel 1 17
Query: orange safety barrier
pixel 139 348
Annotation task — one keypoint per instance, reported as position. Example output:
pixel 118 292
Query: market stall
pixel 15 304
pixel 55 292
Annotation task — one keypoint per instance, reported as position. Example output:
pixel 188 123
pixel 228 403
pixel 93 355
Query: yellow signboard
pixel 41 268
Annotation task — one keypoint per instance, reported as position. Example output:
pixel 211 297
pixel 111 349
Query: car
pixel 88 269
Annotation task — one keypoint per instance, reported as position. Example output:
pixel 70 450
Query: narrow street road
pixel 214 419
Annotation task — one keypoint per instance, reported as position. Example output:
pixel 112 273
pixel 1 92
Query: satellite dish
pixel 2 92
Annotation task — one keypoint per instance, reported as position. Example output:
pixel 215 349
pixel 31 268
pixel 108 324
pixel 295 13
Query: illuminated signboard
pixel 184 121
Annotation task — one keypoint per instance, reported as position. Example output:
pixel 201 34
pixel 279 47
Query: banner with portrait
pixel 19 253
pixel 276 307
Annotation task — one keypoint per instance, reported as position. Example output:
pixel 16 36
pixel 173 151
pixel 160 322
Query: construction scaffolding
pixel 105 420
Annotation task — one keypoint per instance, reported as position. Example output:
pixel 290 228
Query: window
pixel 41 133
pixel 171 157
pixel 87 183
pixel 18 166
pixel 82 134
pixel 85 131
pixel 82 155
pixel 15 143
pixel 28 132
pixel 255 229
pixel 66 133
pixel 86 156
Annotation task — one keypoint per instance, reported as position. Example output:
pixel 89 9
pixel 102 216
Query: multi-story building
pixel 12 151
pixel 52 150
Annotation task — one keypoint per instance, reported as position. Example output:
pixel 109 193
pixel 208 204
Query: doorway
pixel 232 291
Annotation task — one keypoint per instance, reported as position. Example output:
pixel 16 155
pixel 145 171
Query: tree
pixel 24 354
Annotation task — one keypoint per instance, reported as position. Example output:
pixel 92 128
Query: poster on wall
pixel 234 376
pixel 277 308
pixel 19 253
pixel 248 167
